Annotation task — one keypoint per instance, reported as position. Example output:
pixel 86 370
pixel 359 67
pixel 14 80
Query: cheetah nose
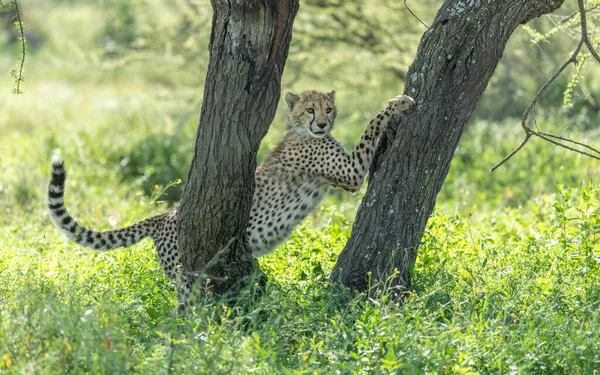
pixel 322 125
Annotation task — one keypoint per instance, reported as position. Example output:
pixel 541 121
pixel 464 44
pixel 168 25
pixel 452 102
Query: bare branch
pixel 18 76
pixel 414 15
pixel 527 136
pixel 542 90
pixel 556 139
pixel 568 140
pixel 584 33
pixel 566 19
pixel 548 139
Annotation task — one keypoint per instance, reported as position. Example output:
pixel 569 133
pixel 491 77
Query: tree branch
pixel 584 33
pixel 570 16
pixel 555 139
pixel 18 75
pixel 414 15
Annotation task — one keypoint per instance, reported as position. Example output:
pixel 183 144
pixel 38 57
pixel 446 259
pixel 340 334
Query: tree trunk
pixel 455 60
pixel 248 50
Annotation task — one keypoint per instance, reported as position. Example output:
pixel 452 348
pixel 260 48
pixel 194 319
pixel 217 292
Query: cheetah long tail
pixel 92 239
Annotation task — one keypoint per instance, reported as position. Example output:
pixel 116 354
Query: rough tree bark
pixel 455 60
pixel 248 50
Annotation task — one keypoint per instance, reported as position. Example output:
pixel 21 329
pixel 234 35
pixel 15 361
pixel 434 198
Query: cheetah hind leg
pixel 184 286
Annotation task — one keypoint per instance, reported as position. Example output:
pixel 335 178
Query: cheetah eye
pixel 310 110
pixel 329 110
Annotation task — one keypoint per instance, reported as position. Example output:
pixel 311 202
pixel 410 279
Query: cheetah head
pixel 311 113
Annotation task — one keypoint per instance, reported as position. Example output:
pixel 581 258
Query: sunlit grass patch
pixel 489 295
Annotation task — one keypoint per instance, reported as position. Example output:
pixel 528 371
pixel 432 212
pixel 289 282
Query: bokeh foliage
pixel 352 46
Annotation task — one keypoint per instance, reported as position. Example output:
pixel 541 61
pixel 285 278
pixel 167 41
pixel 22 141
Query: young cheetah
pixel 289 183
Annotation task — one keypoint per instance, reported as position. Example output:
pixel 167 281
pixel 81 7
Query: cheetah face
pixel 311 113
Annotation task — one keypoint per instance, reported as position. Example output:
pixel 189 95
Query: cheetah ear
pixel 331 95
pixel 290 99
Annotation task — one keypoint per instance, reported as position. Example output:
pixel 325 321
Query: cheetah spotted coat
pixel 289 183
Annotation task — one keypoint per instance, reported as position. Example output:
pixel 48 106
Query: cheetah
pixel 289 184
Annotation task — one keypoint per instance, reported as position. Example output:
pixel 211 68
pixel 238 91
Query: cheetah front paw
pixel 401 103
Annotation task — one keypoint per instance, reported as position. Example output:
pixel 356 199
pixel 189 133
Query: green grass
pixel 509 291
pixel 507 279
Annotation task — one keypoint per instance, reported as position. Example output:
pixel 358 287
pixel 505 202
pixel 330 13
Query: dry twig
pixel 19 75
pixel 414 15
pixel 566 19
pixel 555 139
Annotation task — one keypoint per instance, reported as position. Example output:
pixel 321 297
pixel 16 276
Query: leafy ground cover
pixel 511 291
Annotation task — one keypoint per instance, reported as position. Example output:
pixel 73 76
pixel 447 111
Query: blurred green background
pixel 117 87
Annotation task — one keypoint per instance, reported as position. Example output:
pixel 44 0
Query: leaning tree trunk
pixel 248 49
pixel 455 60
